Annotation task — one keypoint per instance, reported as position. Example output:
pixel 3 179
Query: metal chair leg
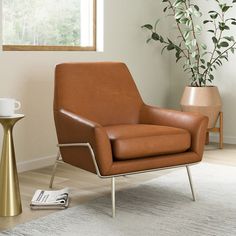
pixel 191 183
pixel 54 170
pixel 113 198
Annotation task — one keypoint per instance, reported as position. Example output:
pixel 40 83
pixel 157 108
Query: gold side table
pixel 10 201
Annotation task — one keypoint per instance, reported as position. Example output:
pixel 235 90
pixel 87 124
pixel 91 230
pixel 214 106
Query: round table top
pixel 15 116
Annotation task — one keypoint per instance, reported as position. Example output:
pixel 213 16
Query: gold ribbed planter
pixel 204 100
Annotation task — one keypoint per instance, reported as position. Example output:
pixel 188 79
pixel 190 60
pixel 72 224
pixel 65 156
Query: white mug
pixel 8 106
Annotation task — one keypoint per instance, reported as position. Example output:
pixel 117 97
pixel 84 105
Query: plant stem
pixel 181 33
pixel 167 43
pixel 214 60
pixel 178 27
pixel 195 37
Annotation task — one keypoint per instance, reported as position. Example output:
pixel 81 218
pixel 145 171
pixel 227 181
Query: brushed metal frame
pixel 58 159
pixel 191 183
pixel 112 177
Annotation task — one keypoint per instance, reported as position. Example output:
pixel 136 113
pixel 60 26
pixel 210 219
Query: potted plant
pixel 198 59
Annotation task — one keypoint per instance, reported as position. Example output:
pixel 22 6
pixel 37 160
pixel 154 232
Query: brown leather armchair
pixel 104 127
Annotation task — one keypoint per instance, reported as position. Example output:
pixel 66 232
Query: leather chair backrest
pixel 103 92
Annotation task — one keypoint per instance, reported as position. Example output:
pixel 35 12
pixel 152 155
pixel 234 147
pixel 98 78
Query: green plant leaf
pixel 186 34
pixel 230 39
pixel 196 7
pixel 225 57
pixel 214 16
pixel 224 44
pixel 184 21
pixel 156 23
pixel 170 47
pixel 211 77
pixel 207 21
pixel 211 31
pixel 163 49
pixel 219 63
pixel 204 46
pixel 214 39
pixel 155 36
pixel 177 3
pixel 226 8
pixel 179 15
pixel 213 12
pixel 223 26
pixel 193 54
pixel 198 29
pixel 148 26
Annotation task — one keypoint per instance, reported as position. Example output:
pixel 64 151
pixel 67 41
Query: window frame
pixel 59 48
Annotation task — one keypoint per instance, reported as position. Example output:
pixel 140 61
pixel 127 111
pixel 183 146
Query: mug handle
pixel 18 105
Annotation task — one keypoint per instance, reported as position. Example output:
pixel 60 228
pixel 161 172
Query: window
pixel 49 25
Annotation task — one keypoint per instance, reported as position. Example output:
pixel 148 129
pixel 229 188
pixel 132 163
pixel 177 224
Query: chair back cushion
pixel 103 92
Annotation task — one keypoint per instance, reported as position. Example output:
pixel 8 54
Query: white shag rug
pixel 161 207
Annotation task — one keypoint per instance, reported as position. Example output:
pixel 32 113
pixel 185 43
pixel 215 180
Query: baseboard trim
pixel 36 163
pixel 227 139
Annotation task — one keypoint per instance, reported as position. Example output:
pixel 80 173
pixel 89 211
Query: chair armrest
pixel 196 124
pixel 73 128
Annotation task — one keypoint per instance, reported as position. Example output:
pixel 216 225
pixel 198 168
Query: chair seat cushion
pixel 141 140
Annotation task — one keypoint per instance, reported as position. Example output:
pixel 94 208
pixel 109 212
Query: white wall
pixel 28 76
pixel 225 79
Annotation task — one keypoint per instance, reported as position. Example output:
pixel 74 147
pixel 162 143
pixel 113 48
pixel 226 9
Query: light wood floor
pixel 85 186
